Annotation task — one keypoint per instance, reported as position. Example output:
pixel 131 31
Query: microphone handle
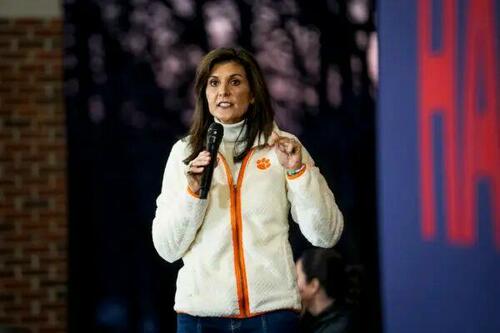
pixel 206 179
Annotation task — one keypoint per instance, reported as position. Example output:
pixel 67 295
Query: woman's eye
pixel 212 83
pixel 235 82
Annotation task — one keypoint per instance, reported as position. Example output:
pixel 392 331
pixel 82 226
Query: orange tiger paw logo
pixel 263 163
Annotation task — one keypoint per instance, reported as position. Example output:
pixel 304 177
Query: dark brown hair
pixel 329 268
pixel 260 114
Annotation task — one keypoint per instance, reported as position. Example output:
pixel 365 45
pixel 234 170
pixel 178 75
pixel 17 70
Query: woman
pixel 322 282
pixel 238 265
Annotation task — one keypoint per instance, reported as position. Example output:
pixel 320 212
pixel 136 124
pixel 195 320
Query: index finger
pixel 274 137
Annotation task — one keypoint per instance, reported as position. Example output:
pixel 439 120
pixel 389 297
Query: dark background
pixel 129 69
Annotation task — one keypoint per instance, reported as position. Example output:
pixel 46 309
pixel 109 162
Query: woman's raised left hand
pixel 288 150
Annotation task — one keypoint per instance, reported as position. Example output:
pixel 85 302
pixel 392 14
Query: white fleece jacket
pixel 234 245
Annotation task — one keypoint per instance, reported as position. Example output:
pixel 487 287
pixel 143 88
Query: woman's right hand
pixel 194 170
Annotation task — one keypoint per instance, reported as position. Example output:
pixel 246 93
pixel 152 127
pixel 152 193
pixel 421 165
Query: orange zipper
pixel 236 227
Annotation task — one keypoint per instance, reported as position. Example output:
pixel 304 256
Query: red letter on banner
pixel 482 121
pixel 437 97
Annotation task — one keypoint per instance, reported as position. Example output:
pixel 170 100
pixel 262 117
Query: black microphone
pixel 214 138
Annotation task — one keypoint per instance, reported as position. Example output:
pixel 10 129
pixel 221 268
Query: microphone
pixel 214 138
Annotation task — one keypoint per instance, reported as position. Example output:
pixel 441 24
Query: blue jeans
pixel 271 322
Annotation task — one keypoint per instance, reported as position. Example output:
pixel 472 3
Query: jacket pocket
pixel 186 283
pixel 289 264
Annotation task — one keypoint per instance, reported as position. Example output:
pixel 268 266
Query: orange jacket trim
pixel 196 195
pixel 236 226
pixel 298 174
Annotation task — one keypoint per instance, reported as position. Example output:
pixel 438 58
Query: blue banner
pixel 439 165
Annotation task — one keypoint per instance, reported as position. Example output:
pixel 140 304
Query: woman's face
pixel 307 290
pixel 228 92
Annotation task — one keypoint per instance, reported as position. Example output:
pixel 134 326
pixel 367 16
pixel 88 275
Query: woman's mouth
pixel 224 104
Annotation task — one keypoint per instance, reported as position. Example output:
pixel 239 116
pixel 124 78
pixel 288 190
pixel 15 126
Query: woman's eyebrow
pixel 232 75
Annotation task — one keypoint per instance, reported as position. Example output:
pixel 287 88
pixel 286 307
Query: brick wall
pixel 33 228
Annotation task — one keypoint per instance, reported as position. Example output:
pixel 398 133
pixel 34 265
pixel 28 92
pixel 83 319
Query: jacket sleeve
pixel 313 205
pixel 179 214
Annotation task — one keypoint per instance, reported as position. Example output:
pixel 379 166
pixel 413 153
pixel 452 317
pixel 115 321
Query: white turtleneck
pixel 232 132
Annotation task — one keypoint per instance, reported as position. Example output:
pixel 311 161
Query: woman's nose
pixel 223 90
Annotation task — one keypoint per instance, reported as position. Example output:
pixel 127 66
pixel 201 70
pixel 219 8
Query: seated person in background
pixel 322 283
